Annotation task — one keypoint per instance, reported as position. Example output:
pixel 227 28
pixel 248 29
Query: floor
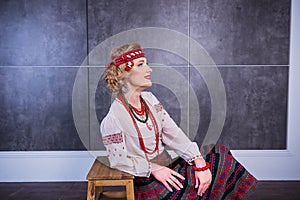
pixel 273 190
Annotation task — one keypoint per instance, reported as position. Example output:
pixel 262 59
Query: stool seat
pixel 101 175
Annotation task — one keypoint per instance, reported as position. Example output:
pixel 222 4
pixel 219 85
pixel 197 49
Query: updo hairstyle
pixel 113 74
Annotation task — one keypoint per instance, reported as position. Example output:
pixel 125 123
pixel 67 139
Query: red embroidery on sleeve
pixel 113 139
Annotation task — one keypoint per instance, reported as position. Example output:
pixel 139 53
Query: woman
pixel 137 129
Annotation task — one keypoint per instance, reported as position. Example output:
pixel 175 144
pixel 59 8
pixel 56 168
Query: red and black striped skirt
pixel 230 180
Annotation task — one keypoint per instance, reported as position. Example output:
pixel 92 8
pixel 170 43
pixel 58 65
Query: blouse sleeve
pixel 174 137
pixel 114 140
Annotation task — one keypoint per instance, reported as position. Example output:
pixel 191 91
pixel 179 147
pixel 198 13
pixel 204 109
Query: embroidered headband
pixel 128 58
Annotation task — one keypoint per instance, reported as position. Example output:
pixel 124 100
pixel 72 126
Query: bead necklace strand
pixel 137 111
pixel 123 100
pixel 136 117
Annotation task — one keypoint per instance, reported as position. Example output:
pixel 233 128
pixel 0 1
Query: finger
pixel 199 191
pixel 177 174
pixel 178 184
pixel 201 188
pixel 173 184
pixel 207 183
pixel 206 188
pixel 197 182
pixel 167 186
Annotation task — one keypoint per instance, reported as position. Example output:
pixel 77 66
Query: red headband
pixel 128 57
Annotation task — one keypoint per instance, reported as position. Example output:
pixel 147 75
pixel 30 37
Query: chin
pixel 147 85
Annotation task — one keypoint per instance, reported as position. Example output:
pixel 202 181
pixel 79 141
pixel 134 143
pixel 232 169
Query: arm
pixel 114 140
pixel 172 135
pixel 176 139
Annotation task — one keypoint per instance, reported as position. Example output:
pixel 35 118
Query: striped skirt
pixel 230 180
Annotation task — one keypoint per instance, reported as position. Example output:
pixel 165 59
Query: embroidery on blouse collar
pixel 158 107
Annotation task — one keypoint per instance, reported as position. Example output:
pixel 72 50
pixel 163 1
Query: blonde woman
pixel 137 130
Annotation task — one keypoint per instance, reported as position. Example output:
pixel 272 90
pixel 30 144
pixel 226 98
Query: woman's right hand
pixel 167 177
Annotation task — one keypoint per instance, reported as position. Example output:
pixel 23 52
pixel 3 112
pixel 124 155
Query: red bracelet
pixel 201 168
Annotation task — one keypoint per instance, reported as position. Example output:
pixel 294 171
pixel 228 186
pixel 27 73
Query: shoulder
pixel 149 97
pixel 109 124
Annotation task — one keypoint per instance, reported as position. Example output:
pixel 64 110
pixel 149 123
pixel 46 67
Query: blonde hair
pixel 113 74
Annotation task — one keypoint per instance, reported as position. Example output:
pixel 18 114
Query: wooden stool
pixel 101 175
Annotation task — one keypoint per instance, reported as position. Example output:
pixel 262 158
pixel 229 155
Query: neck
pixel 133 98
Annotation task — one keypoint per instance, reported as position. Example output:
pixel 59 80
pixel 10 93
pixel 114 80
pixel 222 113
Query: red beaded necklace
pixel 142 144
pixel 137 111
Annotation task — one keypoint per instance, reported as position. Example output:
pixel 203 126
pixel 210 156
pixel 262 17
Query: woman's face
pixel 140 75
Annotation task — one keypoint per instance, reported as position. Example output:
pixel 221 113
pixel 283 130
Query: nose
pixel 149 69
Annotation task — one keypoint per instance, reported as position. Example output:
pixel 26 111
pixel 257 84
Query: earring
pixel 125 88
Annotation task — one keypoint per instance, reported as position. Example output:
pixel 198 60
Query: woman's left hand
pixel 203 181
pixel 203 178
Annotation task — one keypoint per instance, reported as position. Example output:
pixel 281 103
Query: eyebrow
pixel 141 61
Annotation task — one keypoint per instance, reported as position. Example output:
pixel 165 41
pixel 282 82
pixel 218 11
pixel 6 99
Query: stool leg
pixel 99 191
pixel 130 190
pixel 91 191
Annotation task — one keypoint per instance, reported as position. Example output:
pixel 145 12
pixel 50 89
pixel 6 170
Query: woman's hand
pixel 203 178
pixel 167 176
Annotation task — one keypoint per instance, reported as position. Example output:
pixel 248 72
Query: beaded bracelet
pixel 190 161
pixel 207 166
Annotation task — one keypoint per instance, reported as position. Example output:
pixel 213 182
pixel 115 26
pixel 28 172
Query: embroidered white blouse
pixel 120 137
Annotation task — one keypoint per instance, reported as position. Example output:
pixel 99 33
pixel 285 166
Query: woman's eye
pixel 140 65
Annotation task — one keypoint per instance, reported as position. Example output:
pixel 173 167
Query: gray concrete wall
pixel 42 45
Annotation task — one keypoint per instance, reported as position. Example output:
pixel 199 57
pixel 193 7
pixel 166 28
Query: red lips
pixel 148 77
